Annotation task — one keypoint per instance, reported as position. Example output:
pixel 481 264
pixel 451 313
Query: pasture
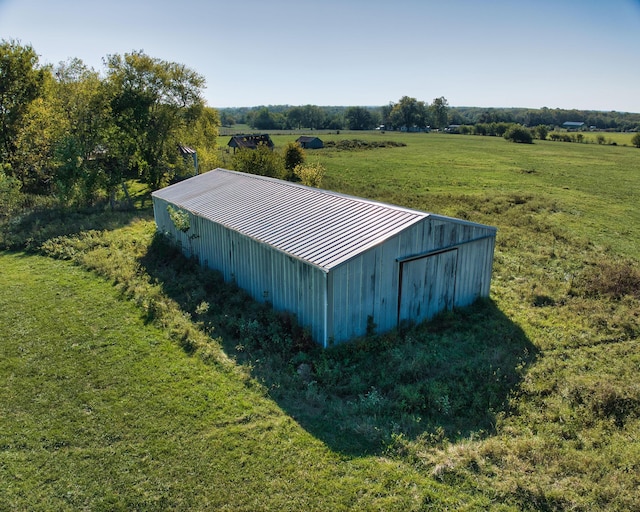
pixel 189 396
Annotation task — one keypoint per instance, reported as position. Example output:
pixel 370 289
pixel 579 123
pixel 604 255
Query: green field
pixel 188 396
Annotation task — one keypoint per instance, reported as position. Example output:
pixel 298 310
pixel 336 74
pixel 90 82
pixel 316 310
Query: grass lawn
pixel 100 411
pixel 188 396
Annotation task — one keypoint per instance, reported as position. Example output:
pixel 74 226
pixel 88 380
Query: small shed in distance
pixel 307 142
pixel 250 141
pixel 572 125
pixel 189 154
pixel 339 263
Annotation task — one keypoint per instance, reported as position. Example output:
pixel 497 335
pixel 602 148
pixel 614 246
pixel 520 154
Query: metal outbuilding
pixel 341 264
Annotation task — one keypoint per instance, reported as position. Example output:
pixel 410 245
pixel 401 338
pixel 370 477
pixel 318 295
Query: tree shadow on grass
pixel 445 379
pixel 28 231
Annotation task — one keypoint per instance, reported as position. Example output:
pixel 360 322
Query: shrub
pixel 10 195
pixel 613 279
pixel 261 161
pixel 541 131
pixel 293 156
pixel 635 140
pixel 518 133
pixel 310 174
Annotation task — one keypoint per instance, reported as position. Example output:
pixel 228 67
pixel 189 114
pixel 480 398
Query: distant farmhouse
pixel 250 141
pixel 572 125
pixel 307 142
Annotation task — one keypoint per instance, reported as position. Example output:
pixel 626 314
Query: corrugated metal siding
pixel 267 274
pixel 332 281
pixel 318 226
pixel 369 284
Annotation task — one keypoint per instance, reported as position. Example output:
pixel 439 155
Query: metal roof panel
pixel 319 226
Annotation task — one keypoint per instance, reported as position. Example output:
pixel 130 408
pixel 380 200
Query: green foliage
pixel 262 161
pixel 10 195
pixel 310 174
pixel 294 156
pixel 154 102
pixel 519 134
pixel 409 113
pixel 358 118
pixel 307 116
pixel 541 131
pixel 180 219
pixel 265 120
pixel 635 140
pixel 440 112
pixel 21 82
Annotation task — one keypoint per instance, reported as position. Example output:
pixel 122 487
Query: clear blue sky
pixel 581 54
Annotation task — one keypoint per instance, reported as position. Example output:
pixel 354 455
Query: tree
pixel 42 127
pixel 202 136
pixel 10 195
pixel 153 102
pixel 293 157
pixel 84 147
pixel 358 118
pixel 21 82
pixel 313 117
pixel 635 140
pixel 264 120
pixel 440 112
pixel 409 113
pixel 295 117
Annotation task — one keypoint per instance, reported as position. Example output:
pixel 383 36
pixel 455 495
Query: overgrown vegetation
pixel 354 144
pixel 289 164
pixel 538 381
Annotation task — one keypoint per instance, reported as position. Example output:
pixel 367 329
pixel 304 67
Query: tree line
pixel 410 113
pixel 79 134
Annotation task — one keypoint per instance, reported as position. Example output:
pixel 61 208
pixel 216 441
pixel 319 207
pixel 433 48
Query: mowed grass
pixel 528 401
pixel 101 411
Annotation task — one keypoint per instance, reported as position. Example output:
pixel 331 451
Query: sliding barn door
pixel 427 286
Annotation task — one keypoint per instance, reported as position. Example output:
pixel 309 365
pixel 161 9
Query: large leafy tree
pixel 201 136
pixel 314 117
pixel 440 112
pixel 85 147
pixel 21 82
pixel 153 102
pixel 358 118
pixel 295 117
pixel 42 126
pixel 409 112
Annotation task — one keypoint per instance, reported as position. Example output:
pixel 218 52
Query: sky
pixel 582 54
